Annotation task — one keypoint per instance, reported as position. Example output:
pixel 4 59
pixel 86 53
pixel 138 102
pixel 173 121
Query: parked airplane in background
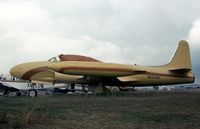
pixel 18 87
pixel 83 70
pixel 7 88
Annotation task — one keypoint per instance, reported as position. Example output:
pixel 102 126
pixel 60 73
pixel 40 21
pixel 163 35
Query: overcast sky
pixel 129 31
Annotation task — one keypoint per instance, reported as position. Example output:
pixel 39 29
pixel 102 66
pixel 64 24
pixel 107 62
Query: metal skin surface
pixel 177 71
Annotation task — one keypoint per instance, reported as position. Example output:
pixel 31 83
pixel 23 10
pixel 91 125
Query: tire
pixel 32 93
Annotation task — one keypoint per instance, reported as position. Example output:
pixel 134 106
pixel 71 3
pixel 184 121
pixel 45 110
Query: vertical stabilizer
pixel 181 58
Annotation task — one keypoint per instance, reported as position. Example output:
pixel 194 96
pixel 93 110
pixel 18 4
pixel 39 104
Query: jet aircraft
pixel 76 69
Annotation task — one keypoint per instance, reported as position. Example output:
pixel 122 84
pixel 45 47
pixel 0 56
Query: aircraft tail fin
pixel 181 59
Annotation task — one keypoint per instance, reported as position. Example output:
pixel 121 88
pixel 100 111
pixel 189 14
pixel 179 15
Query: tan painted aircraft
pixel 75 69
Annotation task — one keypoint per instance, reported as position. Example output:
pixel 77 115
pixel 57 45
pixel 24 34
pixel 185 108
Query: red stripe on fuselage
pixel 27 75
pixel 94 69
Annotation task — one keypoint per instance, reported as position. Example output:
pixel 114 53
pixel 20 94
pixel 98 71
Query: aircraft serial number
pixel 37 86
pixel 153 76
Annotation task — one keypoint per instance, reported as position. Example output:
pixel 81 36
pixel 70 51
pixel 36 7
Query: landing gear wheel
pixel 32 93
pixel 115 90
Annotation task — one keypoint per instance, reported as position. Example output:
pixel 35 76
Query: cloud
pixel 194 34
pixel 141 32
pixel 194 40
pixel 28 34
pixel 22 15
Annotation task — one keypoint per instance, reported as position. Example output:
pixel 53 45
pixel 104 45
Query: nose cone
pixel 17 71
pixel 27 70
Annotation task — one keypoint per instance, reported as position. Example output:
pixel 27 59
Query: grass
pixel 140 110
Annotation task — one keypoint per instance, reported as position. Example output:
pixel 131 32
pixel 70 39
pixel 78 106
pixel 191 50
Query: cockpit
pixel 72 58
pixel 54 59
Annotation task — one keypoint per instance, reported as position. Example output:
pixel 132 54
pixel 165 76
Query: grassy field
pixel 146 110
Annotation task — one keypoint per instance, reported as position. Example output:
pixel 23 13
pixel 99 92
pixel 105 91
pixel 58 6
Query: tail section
pixel 181 59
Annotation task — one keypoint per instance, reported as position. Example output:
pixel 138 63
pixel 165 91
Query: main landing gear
pixel 101 89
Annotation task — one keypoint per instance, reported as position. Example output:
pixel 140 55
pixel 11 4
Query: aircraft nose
pixel 16 71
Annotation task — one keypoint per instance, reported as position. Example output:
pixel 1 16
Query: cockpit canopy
pixel 62 57
pixel 54 59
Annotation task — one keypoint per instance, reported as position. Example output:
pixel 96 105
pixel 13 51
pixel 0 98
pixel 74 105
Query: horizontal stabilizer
pixel 181 70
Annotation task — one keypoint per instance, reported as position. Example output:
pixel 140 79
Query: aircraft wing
pixel 131 78
pixel 128 79
pixel 4 86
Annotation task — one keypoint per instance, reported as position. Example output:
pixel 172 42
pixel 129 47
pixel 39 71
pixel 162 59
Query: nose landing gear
pixel 32 93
